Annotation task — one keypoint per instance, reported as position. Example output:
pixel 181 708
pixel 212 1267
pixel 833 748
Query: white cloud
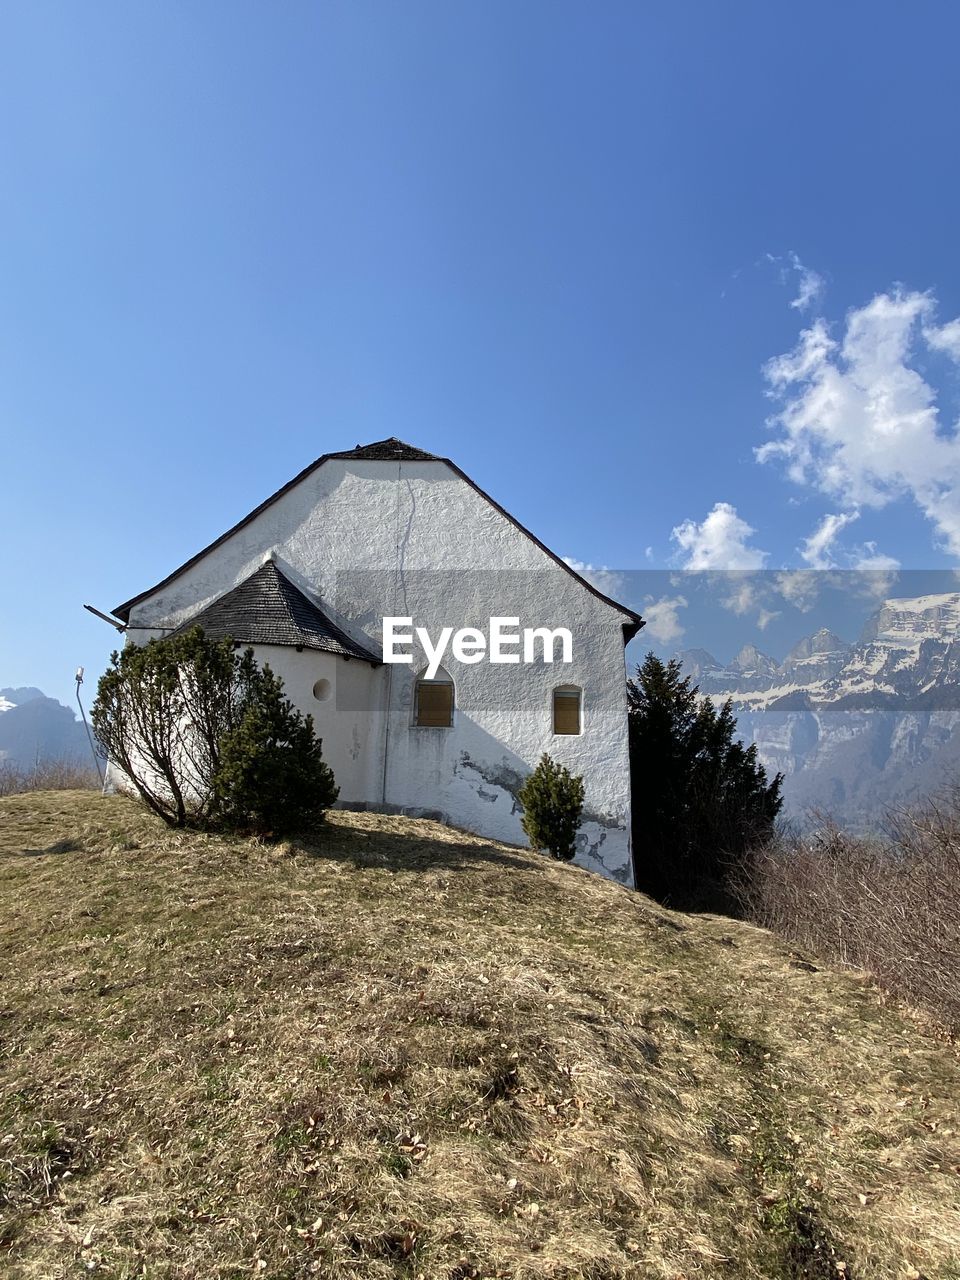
pixel 875 573
pixel 857 422
pixel 810 286
pixel 746 592
pixel 663 620
pixel 606 580
pixel 740 595
pixel 871 576
pixel 946 338
pixel 799 587
pixel 817 549
pixel 719 545
pixel 868 558
pixel 719 542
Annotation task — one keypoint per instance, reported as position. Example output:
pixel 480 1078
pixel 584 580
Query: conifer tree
pixel 701 801
pixel 552 799
pixel 272 777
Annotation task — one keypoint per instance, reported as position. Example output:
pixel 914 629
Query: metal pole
pixel 83 714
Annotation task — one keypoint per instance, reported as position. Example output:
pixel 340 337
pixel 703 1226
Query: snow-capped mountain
pixel 855 728
pixel 36 729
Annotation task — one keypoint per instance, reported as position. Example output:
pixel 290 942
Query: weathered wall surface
pixel 370 538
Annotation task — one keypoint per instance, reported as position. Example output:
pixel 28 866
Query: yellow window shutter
pixel 434 704
pixel 566 711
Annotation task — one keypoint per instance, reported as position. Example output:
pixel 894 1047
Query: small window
pixel 566 710
pixel 434 702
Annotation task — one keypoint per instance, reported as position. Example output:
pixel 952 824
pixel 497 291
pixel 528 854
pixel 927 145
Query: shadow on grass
pixel 59 846
pixel 404 850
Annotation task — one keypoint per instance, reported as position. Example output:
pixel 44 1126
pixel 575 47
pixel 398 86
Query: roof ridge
pixel 389 449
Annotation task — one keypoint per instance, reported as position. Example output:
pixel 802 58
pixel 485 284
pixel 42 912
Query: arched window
pixel 566 709
pixel 433 701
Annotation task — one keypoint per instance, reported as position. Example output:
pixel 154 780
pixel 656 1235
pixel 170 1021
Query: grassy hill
pixel 407 1052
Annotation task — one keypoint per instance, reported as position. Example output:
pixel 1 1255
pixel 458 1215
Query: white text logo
pixel 504 642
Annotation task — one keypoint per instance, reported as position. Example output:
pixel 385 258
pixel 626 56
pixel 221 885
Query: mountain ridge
pixel 856 729
pixel 35 729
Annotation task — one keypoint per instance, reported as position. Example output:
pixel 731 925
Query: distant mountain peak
pixel 35 728
pixel 17 697
pixel 855 728
pixel 821 642
pixel 698 663
pixel 912 619
pixel 753 661
pixel 702 656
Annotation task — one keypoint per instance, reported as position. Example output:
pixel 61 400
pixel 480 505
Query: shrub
pixel 47 775
pixel 197 726
pixel 160 712
pixel 888 906
pixel 552 799
pixel 271 775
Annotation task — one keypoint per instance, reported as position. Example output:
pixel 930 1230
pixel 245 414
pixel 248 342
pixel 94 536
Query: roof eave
pixel 373 660
pixel 631 629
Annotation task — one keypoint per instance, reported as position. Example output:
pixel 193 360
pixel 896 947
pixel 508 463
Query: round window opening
pixel 322 690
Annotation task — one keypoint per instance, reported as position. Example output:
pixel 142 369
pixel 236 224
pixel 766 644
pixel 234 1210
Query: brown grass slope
pixel 406 1052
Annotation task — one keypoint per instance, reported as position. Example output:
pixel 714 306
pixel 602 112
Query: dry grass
pixel 406 1052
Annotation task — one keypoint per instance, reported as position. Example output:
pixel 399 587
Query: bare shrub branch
pixel 46 775
pixel 890 906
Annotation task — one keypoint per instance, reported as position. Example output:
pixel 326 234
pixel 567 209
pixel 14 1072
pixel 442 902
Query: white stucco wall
pixel 371 538
pixel 348 721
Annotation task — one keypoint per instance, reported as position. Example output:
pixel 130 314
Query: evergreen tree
pixel 272 777
pixel 701 801
pixel 552 799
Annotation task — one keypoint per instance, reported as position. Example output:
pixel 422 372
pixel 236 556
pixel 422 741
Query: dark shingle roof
pixel 267 608
pixel 391 448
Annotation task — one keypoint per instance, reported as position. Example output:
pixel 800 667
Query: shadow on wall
pixel 408 850
pixel 472 779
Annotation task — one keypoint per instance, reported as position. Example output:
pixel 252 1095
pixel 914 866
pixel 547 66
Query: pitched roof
pixel 387 450
pixel 267 608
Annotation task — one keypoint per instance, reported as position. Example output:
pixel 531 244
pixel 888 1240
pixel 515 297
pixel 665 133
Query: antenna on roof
pixel 106 617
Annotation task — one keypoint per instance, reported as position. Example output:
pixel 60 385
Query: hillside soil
pixel 396 1050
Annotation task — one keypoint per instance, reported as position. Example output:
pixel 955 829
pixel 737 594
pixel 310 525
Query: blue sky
pixel 556 242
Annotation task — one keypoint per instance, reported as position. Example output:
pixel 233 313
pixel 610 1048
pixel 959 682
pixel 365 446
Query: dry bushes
pixel 889 906
pixel 46 775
